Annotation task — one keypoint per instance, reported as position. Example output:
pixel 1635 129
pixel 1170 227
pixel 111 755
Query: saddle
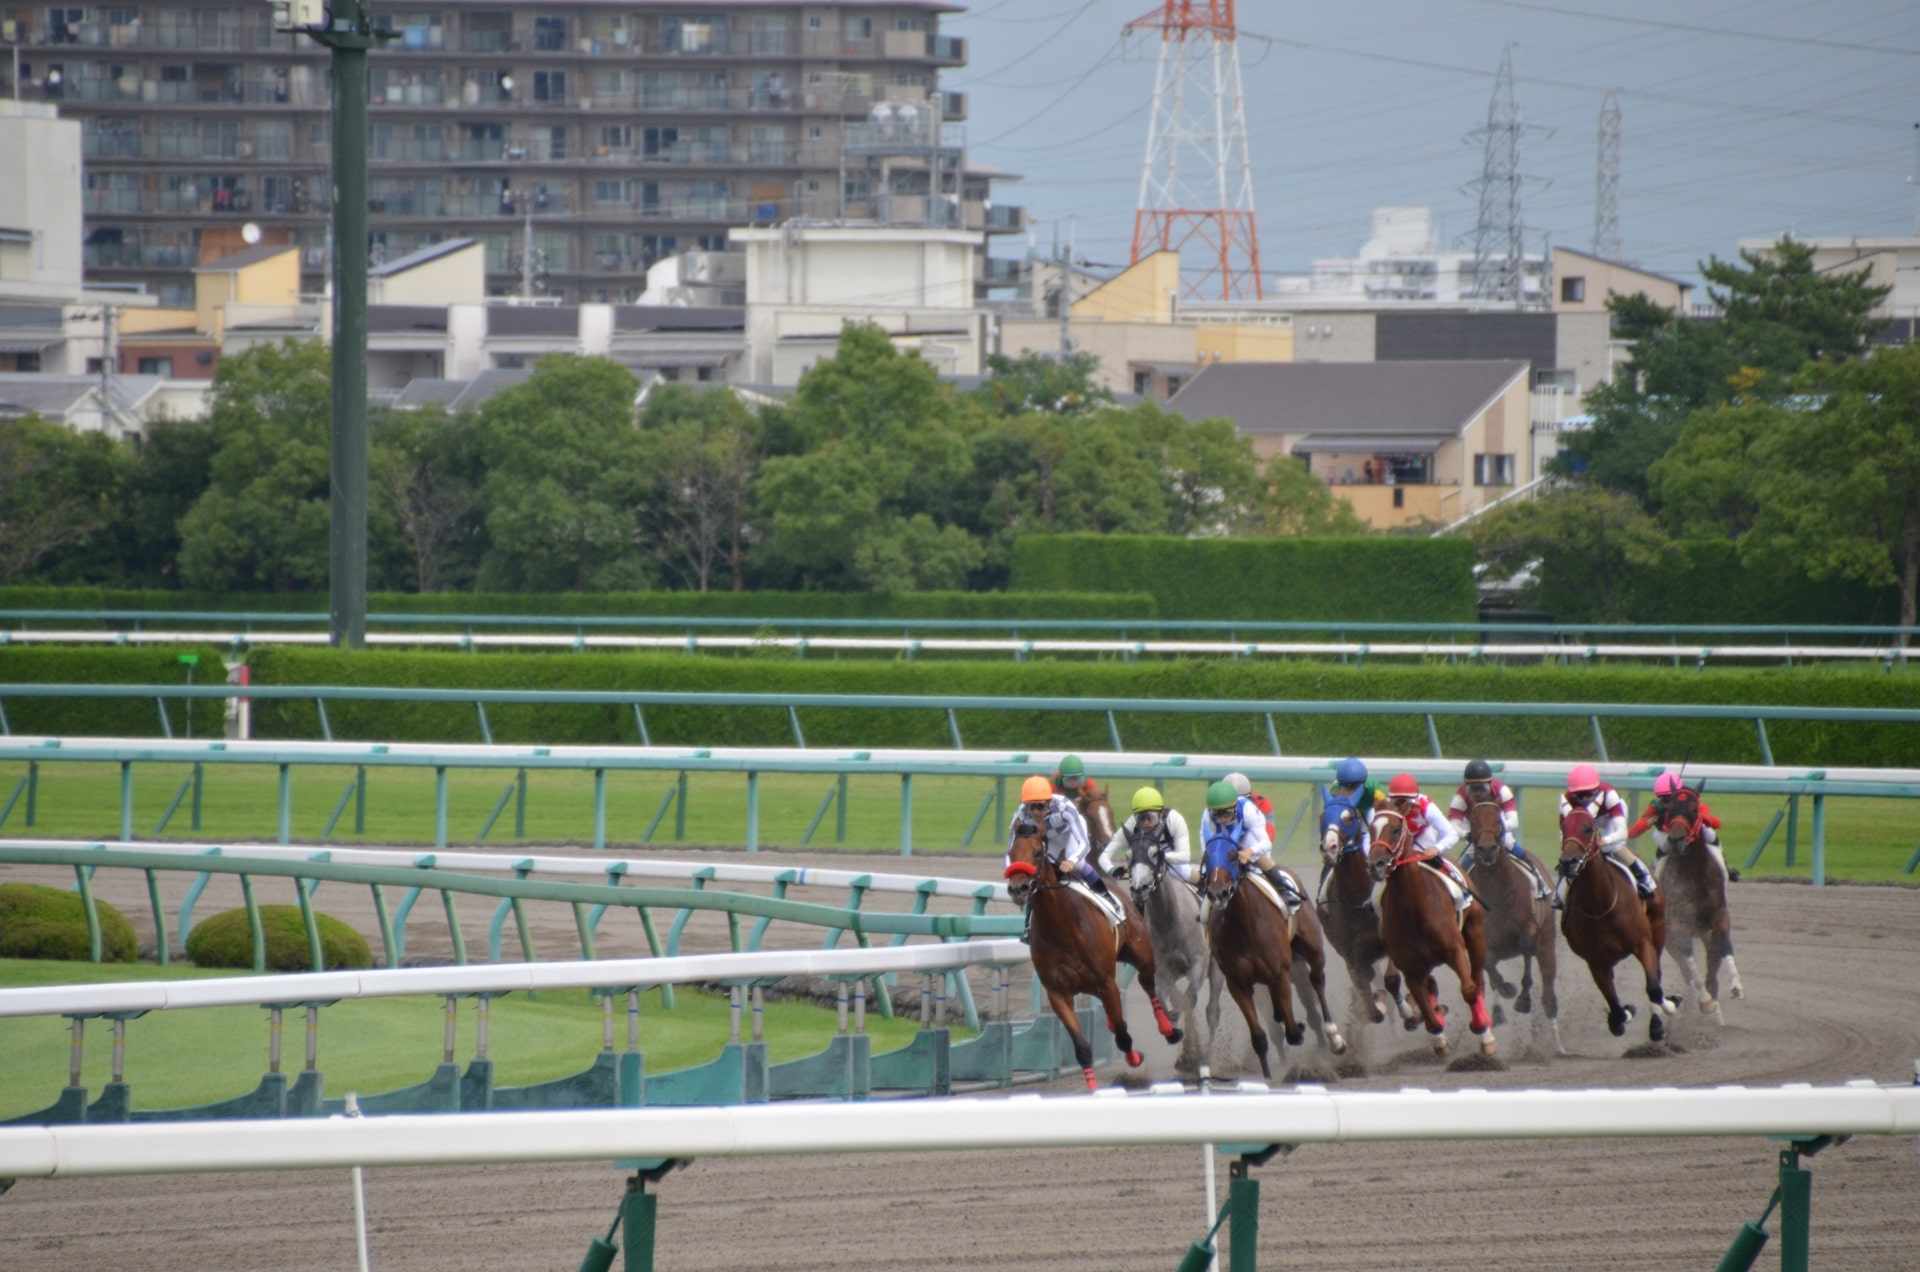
pixel 1260 886
pixel 1108 905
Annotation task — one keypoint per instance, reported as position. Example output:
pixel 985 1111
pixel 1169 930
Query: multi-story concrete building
pixel 598 135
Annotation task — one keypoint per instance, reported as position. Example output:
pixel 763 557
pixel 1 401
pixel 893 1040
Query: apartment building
pixel 579 141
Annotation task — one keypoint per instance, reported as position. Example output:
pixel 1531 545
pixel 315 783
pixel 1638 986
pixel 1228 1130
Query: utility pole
pixel 346 27
pixel 526 244
pixel 1063 262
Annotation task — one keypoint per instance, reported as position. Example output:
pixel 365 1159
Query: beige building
pixel 1890 261
pixel 1405 443
pixel 1582 282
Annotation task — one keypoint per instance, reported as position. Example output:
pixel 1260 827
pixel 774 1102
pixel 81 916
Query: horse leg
pixel 1409 1013
pixel 1617 1015
pixel 1281 990
pixel 1424 995
pixel 1315 958
pixel 1705 989
pixel 1109 995
pixel 1649 955
pixel 1243 999
pixel 1722 950
pixel 1472 979
pixel 1501 985
pixel 1529 951
pixel 1062 1005
pixel 1360 979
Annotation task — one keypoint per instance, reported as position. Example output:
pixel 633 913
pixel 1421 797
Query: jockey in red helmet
pixel 1432 833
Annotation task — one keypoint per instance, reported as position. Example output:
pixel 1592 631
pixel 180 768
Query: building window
pixel 1143 382
pixel 1493 470
pixel 1573 290
pixel 156 366
pixel 1399 497
pixel 1173 384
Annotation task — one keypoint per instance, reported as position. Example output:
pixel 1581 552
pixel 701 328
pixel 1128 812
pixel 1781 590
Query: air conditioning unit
pixel 243 150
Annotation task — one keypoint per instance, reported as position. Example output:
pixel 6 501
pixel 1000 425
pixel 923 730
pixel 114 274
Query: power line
pixel 1795 41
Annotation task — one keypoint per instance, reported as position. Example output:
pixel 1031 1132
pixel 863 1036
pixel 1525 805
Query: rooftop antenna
pixel 1196 182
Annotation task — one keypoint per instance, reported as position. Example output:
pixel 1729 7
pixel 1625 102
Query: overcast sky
pixel 1739 120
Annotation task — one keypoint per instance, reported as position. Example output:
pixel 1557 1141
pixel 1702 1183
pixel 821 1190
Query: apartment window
pixel 1573 290
pixel 656 143
pixel 693 33
pixel 549 86
pixel 618 191
pixel 1493 470
pixel 549 34
pixel 913 79
pixel 616 136
pixel 859 28
pixel 909 22
pixel 1143 383
pixel 1399 496
pixel 156 366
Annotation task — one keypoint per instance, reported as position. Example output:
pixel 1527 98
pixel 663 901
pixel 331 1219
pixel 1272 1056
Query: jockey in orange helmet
pixel 1601 802
pixel 1061 829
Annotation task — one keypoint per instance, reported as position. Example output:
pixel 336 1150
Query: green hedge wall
pixel 1708 584
pixel 1356 579
pixel 107 717
pixel 1640 740
pixel 909 605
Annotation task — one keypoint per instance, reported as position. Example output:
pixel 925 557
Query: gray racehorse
pixel 1171 907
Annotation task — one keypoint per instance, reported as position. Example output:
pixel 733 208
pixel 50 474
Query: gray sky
pixel 1739 119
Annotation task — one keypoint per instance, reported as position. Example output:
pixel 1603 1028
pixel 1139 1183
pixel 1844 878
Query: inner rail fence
pixel 1679 644
pixel 35 753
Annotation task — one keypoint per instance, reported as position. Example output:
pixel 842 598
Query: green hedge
pixel 1706 583
pixel 1356 579
pixel 226 940
pixel 908 605
pixel 108 717
pixel 41 922
pixel 1643 740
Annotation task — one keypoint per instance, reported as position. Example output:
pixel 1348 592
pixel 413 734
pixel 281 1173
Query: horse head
pixel 1579 841
pixel 1222 857
pixel 1391 839
pixel 1486 825
pixel 1026 859
pixel 1339 830
pixel 1097 812
pixel 1146 860
pixel 1682 819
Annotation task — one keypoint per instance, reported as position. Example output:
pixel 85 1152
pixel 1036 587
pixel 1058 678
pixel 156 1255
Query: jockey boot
pixel 1283 884
pixel 1559 898
pixel 1026 926
pixel 1320 893
pixel 1541 890
pixel 1642 878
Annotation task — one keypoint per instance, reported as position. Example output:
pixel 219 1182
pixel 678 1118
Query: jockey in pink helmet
pixel 1665 787
pixel 1601 802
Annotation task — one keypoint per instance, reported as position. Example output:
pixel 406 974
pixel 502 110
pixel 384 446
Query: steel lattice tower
pixel 1606 187
pixel 1498 236
pixel 1196 184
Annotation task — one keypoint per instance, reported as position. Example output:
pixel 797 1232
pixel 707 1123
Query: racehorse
pixel 1424 929
pixel 1519 924
pixel 1605 921
pixel 1171 907
pixel 1347 911
pixel 1076 949
pixel 1696 889
pixel 1097 812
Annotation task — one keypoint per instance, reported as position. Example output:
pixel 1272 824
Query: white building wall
pixel 40 155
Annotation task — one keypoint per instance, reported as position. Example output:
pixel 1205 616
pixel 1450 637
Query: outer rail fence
pixel 1004 1051
pixel 36 752
pixel 1252 1123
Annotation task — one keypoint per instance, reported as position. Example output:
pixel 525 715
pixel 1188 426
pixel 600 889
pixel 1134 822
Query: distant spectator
pixel 1348 479
pixel 1366 472
pixel 1388 479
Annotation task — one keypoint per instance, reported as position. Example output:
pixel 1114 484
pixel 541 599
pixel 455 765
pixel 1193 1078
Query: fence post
pixel 753 812
pixel 440 806
pixel 1599 742
pixel 680 809
pixel 1819 841
pixel 1766 751
pixel 520 807
pixel 840 813
pixel 286 810
pixel 906 814
pixel 126 800
pixel 599 808
pixel 360 799
pixel 198 781
pixel 1793 827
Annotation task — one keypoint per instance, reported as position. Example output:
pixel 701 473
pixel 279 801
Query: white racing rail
pixel 1252 1114
pixel 499 978
pixel 692 643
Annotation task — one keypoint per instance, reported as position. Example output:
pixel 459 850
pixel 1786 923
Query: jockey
pixel 1061 829
pixel 1665 788
pixel 1600 801
pixel 1479 787
pixel 1238 820
pixel 1432 833
pixel 1244 789
pixel 1362 831
pixel 1351 782
pixel 1071 779
pixel 1163 826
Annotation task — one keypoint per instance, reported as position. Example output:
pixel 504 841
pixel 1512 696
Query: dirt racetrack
pixel 1832 994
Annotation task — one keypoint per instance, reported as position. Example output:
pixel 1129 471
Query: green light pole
pixel 347 29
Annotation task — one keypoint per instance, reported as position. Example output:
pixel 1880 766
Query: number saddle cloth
pixel 1109 905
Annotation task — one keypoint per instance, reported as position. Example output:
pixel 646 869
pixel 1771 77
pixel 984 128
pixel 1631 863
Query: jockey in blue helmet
pixel 1351 782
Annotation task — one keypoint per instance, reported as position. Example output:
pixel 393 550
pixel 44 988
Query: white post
pixel 359 1194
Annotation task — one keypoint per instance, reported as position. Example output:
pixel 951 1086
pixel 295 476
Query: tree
pixel 562 457
pixel 172 468
pixel 702 453
pixel 1778 314
pixel 1290 500
pixel 1040 383
pixel 913 554
pixel 58 489
pixel 427 471
pixel 1581 546
pixel 1706 485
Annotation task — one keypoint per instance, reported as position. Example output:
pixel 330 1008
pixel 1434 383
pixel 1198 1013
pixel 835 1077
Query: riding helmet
pixel 1072 766
pixel 1667 784
pixel 1403 786
pixel 1148 800
pixel 1239 782
pixel 1351 772
pixel 1585 777
pixel 1222 795
pixel 1479 771
pixel 1036 790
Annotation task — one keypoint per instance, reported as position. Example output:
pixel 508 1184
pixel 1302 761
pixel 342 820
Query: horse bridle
pixel 1588 851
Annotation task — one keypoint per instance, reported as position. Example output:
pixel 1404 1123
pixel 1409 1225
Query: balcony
pixel 1001 272
pixel 949 50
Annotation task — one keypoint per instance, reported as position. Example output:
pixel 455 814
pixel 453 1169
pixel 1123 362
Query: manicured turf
pixel 180 1058
pixel 1867 840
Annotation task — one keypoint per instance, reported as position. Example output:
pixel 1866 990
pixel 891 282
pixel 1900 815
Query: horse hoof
pixel 1135 1059
pixel 1440 1047
pixel 1296 1035
pixel 1173 1038
pixel 1708 1006
pixel 1092 1085
pixel 1488 1045
pixel 1505 991
pixel 1657 1027
pixel 1739 991
pixel 1523 1004
pixel 1500 1014
pixel 1412 1023
pixel 1336 1043
pixel 1668 1005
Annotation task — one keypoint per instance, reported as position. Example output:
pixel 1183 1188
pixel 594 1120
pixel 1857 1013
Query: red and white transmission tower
pixel 1196 186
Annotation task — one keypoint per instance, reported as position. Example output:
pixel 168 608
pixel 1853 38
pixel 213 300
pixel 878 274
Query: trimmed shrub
pixel 107 717
pixel 42 922
pixel 1271 580
pixel 225 940
pixel 1730 741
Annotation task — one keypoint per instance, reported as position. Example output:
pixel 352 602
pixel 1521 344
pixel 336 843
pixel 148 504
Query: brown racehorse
pixel 1097 812
pixel 1077 949
pixel 1423 929
pixel 1519 925
pixel 1696 890
pixel 1252 942
pixel 1606 921
pixel 1346 911
pixel 1310 966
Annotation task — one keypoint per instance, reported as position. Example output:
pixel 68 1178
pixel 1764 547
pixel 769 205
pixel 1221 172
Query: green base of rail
pixel 597 1087
pixel 438 1094
pixel 841 1072
pixel 269 1099
pixel 922 1067
pixel 739 1076
pixel 114 1105
pixel 69 1108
